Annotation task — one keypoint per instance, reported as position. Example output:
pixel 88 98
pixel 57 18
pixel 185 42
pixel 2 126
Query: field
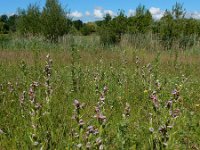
pixel 90 97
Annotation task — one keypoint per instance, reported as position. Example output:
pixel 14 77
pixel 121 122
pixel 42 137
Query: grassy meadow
pixel 86 96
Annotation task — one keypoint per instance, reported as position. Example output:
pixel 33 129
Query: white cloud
pixel 87 13
pixel 195 15
pixel 110 12
pixel 154 10
pixel 76 14
pixel 98 13
pixel 157 13
pixel 131 12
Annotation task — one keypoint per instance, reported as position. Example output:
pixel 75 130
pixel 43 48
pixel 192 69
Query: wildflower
pixel 100 117
pixel 92 130
pixel 127 110
pixel 48 66
pixel 1 132
pixel 97 109
pixel 81 123
pixel 162 129
pixel 22 98
pixel 154 99
pixel 79 145
pixel 38 106
pixel 175 113
pixel 98 141
pixel 101 147
pixel 36 143
pixel 158 84
pixel 170 127
pixel 10 87
pixel 76 135
pixel 151 129
pixel 88 145
pixel 105 89
pixel 76 104
pixel 35 84
pixel 102 98
pixel 176 93
pixel 169 104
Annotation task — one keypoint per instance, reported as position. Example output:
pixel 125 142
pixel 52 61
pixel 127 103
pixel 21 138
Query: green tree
pixel 111 30
pixel 54 20
pixel 4 18
pixel 4 28
pixel 12 22
pixel 88 28
pixel 178 11
pixel 78 24
pixel 141 22
pixel 29 21
pixel 167 26
pixel 107 18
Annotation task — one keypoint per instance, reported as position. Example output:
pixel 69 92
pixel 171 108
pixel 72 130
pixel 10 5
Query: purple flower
pixel 169 104
pixel 92 130
pixel 76 104
pixel 176 93
pixel 100 117
pixel 81 123
pixel 175 113
pixel 154 99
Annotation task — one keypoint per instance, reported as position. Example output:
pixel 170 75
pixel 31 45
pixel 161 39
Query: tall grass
pixel 74 98
pixel 149 42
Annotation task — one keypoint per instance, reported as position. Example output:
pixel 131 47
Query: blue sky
pixel 95 9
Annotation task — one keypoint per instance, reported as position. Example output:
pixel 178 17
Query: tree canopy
pixel 53 21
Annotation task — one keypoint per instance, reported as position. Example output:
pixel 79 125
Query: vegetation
pixel 173 30
pixel 108 84
pixel 121 99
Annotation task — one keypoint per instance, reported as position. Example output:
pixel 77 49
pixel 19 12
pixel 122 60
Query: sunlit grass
pixel 125 94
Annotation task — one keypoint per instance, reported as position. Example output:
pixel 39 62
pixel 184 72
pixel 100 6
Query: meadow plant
pixel 118 102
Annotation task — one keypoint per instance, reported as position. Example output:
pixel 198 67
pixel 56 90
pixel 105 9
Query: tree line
pixel 54 21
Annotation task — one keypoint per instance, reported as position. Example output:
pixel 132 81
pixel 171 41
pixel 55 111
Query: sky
pixel 90 10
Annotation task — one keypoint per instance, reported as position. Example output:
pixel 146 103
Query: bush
pixel 108 36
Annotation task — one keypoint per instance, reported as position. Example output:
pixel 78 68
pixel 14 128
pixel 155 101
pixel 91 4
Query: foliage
pixel 76 99
pixel 88 28
pixel 141 22
pixel 111 30
pixel 29 21
pixel 54 20
pixel 173 30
